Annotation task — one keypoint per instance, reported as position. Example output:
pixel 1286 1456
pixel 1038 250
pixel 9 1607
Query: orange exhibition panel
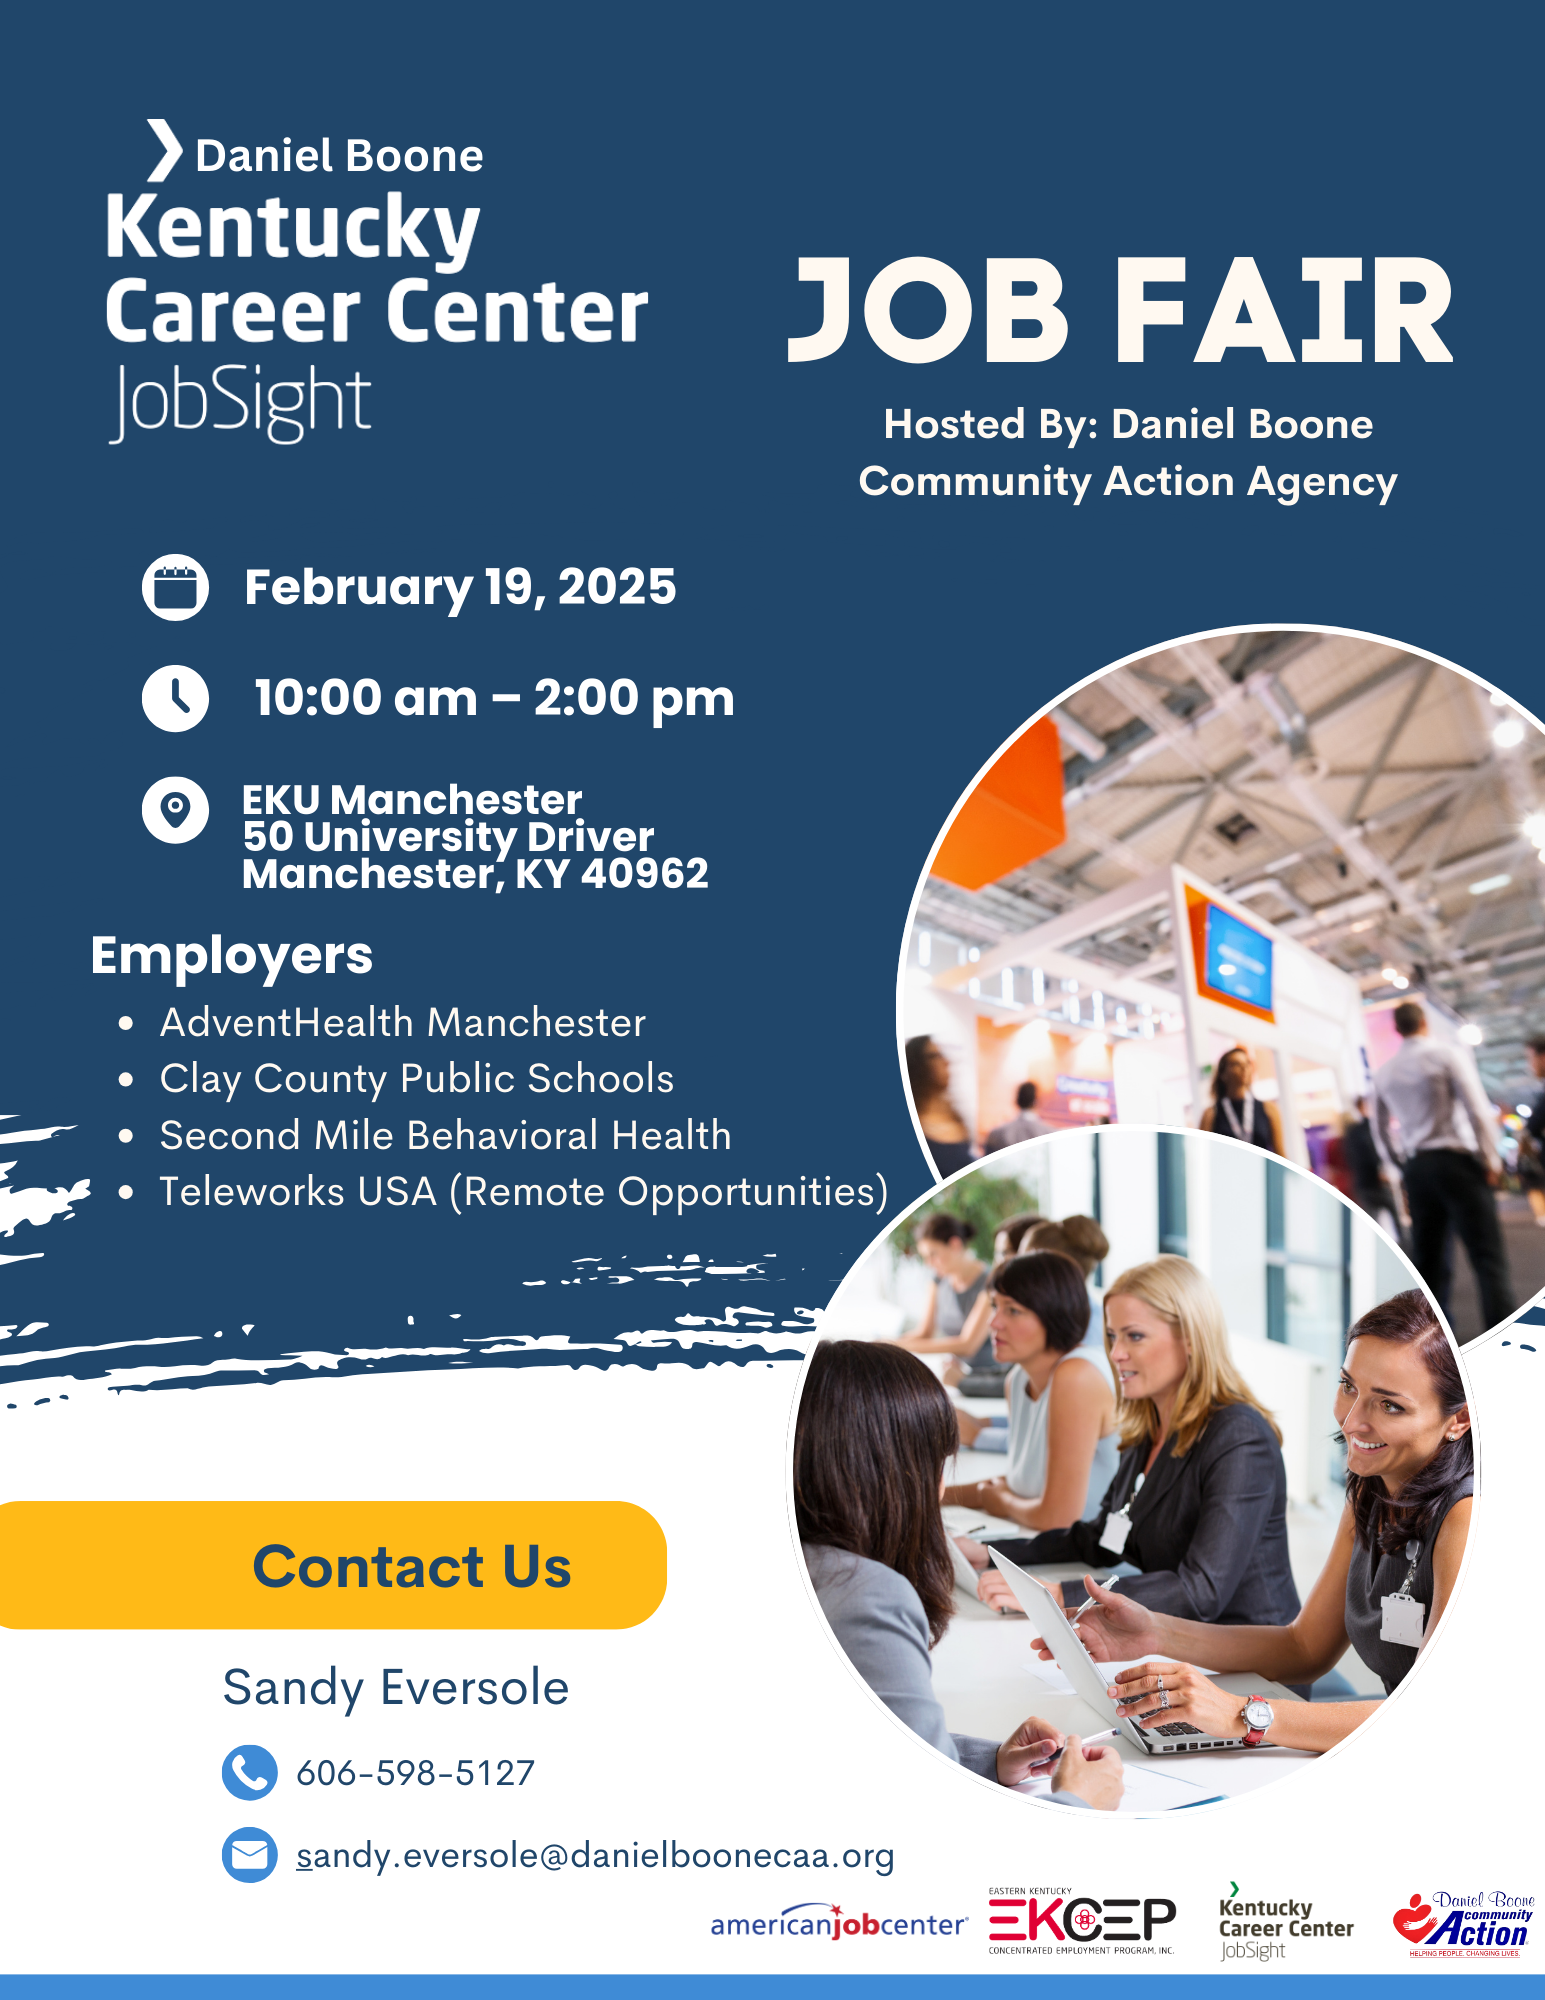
pixel 1014 814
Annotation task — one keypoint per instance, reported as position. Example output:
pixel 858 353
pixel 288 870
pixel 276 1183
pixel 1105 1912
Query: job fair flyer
pixel 772 1101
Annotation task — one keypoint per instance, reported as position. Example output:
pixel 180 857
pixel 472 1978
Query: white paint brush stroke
pixel 37 1205
pixel 737 1329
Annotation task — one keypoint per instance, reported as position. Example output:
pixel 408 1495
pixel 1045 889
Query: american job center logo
pixel 832 1924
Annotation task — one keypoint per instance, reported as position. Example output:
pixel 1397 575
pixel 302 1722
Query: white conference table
pixel 987 1676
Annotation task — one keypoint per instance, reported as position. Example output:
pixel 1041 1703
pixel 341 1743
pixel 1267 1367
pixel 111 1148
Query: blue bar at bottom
pixel 701 1986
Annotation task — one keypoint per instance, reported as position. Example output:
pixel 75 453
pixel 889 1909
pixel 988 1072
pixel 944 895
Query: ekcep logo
pixel 1021 1919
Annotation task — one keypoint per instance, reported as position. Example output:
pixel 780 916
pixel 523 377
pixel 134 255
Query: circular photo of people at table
pixel 1282 884
pixel 1133 1469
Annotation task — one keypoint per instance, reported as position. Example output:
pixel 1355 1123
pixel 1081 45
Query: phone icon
pixel 249 1771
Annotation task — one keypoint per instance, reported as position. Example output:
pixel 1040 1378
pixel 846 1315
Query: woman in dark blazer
pixel 1199 1500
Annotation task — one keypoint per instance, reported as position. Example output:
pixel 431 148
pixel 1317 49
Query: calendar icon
pixel 175 587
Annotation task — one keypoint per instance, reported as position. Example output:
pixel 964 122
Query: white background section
pixel 729 1719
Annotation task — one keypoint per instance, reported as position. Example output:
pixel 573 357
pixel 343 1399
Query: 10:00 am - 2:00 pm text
pixel 592 697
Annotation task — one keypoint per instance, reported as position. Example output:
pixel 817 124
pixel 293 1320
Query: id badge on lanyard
pixel 1113 1536
pixel 1404 1617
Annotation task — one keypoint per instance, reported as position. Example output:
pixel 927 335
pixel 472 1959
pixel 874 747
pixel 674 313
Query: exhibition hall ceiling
pixel 1383 809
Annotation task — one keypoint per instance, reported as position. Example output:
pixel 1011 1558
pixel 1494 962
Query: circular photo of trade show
pixel 1282 885
pixel 1133 1470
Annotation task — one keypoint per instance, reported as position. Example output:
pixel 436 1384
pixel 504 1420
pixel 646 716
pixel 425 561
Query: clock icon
pixel 175 698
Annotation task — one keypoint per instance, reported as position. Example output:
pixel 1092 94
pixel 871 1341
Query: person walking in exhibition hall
pixel 1024 1125
pixel 1448 1159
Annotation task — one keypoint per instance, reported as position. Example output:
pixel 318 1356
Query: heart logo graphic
pixel 1416 1922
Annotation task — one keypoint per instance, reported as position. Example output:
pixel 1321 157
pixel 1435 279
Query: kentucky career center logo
pixel 1490 1923
pixel 1258 1930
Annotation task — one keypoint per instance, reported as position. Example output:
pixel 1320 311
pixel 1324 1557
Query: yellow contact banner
pixel 301 1565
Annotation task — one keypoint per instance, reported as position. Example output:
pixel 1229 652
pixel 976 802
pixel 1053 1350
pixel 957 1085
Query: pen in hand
pixel 1045 1768
pixel 1047 1765
pixel 1099 1736
pixel 1089 1604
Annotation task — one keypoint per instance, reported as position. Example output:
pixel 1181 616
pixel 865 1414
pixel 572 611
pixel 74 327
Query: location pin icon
pixel 175 809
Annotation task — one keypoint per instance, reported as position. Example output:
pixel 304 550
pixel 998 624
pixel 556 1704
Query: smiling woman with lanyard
pixel 1235 1111
pixel 1199 1501
pixel 1401 1408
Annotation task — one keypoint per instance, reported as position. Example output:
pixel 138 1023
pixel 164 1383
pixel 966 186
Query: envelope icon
pixel 249 1854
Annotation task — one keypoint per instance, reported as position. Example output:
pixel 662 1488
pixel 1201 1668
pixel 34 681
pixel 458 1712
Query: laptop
pixel 1090 1677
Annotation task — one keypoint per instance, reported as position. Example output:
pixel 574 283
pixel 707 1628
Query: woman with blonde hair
pixel 1199 1502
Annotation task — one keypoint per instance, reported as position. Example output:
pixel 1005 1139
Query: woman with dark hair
pixel 955 1318
pixel 1061 1410
pixel 1079 1237
pixel 873 1434
pixel 1401 1408
pixel 1009 1237
pixel 1235 1110
pixel 928 1079
pixel 979 1374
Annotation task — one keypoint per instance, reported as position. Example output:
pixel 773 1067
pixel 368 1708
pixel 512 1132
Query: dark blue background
pixel 879 650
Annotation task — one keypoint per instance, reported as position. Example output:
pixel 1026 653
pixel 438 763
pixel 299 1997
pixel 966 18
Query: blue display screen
pixel 1238 959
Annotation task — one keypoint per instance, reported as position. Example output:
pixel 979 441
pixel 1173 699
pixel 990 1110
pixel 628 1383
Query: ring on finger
pixel 1163 1698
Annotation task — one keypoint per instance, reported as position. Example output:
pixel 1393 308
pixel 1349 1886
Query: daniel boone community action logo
pixel 1489 1924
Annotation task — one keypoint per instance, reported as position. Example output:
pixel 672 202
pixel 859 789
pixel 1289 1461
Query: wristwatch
pixel 1257 1716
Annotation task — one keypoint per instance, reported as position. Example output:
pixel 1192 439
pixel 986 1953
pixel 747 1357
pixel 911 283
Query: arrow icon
pixel 171 142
